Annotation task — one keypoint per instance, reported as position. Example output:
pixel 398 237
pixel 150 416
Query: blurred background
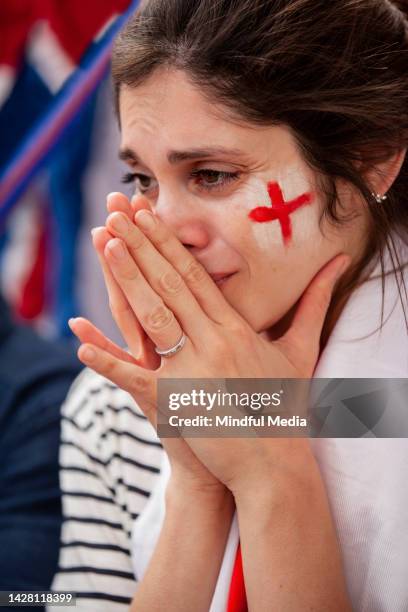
pixel 58 157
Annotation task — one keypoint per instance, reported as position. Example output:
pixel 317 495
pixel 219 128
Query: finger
pixel 118 202
pixel 85 331
pixel 138 342
pixel 162 277
pixel 120 307
pixel 310 315
pixel 137 381
pixel 157 320
pixel 139 202
pixel 200 283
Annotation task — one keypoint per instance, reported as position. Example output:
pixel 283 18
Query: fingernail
pixel 137 198
pixel 116 248
pixel 145 219
pixel 95 229
pixel 112 194
pixel 119 222
pixel 88 354
pixel 71 321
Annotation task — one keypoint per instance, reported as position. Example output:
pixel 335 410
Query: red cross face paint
pixel 280 210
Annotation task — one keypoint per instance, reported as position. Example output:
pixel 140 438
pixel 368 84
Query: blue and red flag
pixel 53 57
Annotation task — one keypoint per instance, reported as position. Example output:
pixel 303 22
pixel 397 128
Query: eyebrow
pixel 175 157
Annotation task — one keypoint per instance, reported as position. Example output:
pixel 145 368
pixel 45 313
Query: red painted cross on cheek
pixel 280 209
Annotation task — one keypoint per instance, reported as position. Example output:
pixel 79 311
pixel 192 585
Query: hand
pixel 189 475
pixel 170 292
pixel 139 344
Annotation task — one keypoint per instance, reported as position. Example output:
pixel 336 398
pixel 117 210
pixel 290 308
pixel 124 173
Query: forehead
pixel 167 106
pixel 167 112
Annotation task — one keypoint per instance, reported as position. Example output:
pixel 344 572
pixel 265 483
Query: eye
pixel 209 179
pixel 143 182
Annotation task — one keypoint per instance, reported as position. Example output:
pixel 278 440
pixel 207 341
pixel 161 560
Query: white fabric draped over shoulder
pixel 365 478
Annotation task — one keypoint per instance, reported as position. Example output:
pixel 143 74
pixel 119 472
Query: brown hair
pixel 335 72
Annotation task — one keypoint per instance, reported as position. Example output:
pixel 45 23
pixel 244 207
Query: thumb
pixel 306 328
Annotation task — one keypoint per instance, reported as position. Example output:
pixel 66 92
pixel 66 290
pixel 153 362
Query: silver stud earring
pixel 379 198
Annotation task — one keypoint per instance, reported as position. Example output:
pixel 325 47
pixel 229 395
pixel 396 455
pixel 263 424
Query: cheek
pixel 281 269
pixel 283 213
pixel 270 259
pixel 289 211
pixel 267 236
pixel 277 279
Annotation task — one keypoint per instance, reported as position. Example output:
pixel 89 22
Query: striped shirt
pixel 110 461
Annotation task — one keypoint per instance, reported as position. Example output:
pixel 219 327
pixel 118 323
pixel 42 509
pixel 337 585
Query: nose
pixel 185 219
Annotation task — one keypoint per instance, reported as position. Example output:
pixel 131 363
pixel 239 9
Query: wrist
pixel 283 466
pixel 183 491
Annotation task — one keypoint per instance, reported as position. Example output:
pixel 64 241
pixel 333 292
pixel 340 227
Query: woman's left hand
pixel 171 293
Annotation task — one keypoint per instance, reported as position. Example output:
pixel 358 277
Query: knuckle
pixel 119 311
pixel 242 337
pixel 219 348
pixel 239 330
pixel 195 272
pixel 160 317
pixel 109 363
pixel 172 282
pixel 162 234
pixel 130 273
pixel 136 239
pixel 138 384
pixel 110 366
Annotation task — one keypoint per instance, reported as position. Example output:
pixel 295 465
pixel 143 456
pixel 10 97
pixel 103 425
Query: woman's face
pixel 203 174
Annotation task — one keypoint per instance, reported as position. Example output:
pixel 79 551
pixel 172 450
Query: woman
pixel 267 142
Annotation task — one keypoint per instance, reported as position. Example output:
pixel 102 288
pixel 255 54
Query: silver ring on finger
pixel 174 349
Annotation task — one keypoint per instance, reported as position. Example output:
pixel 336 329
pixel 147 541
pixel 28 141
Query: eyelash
pixel 227 178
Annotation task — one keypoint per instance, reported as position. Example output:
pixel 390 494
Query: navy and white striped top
pixel 110 461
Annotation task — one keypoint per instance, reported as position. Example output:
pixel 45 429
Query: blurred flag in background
pixel 58 147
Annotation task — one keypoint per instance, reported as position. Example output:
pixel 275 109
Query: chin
pixel 271 327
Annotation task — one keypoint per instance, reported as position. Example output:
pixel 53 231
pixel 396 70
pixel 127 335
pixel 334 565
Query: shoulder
pixel 35 376
pixel 370 338
pixel 105 435
pixel 27 357
pixel 110 464
pixel 97 408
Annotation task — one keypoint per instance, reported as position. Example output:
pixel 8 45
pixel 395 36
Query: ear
pixel 382 176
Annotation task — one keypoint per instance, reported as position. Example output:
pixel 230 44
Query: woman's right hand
pixel 188 474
